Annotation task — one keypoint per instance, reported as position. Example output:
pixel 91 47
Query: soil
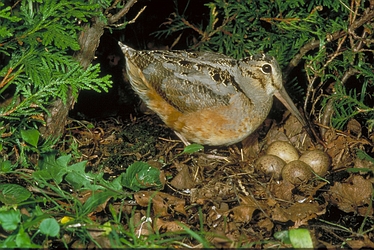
pixel 219 191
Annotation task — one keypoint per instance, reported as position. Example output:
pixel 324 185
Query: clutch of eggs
pixel 282 161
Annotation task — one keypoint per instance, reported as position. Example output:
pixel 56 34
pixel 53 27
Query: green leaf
pixel 283 236
pixel 95 200
pixel 56 169
pixel 141 175
pixel 52 168
pixel 30 136
pixel 77 177
pixel 49 227
pixel 358 170
pixel 23 239
pixel 115 184
pixel 10 219
pixel 12 194
pixel 9 242
pixel 198 237
pixel 6 166
pixel 364 156
pixel 190 149
pixel 300 238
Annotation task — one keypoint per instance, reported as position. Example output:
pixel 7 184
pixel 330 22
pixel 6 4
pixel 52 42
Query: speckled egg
pixel 270 166
pixel 318 160
pixel 297 172
pixel 283 150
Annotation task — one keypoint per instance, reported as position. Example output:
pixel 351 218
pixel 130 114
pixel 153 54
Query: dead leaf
pixel 101 238
pixel 354 127
pixel 184 179
pixel 220 239
pixel 279 214
pixel 213 191
pixel 292 126
pixel 338 149
pixel 361 243
pixel 215 215
pixel 267 224
pixel 242 213
pixel 362 163
pixel 352 195
pixel 143 225
pixel 298 212
pixel 164 226
pixel 282 190
pixel 247 200
pixel 275 135
pixel 163 204
pixel 250 146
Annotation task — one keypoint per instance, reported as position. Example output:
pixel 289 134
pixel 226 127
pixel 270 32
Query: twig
pixel 6 78
pixel 122 12
pixel 113 6
pixel 326 117
pixel 188 24
pixel 137 15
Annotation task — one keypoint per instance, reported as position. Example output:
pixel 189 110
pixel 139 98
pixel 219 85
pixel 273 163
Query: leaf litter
pixel 218 192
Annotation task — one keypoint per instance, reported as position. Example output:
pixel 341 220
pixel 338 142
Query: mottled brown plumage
pixel 208 98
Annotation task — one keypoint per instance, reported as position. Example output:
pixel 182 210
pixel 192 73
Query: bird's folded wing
pixel 191 86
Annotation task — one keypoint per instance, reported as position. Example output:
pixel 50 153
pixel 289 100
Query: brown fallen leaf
pixel 242 213
pixel 250 146
pixel 275 135
pixel 279 214
pixel 162 204
pixel 363 163
pixel 215 215
pixel 266 224
pixel 282 190
pixel 298 212
pixel 365 242
pixel 213 191
pixel 354 127
pixel 164 226
pixel 142 224
pixel 248 200
pixel 184 178
pixel 353 195
pixel 297 135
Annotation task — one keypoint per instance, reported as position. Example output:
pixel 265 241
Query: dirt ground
pixel 220 190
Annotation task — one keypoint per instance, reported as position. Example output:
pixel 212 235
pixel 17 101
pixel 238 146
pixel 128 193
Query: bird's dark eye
pixel 266 68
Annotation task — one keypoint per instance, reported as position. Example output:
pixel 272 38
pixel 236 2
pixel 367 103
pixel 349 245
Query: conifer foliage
pixel 37 65
pixel 324 47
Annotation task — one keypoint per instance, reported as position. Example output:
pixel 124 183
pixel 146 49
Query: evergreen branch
pixel 367 16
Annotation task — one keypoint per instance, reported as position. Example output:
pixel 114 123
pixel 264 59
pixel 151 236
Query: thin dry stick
pixel 113 6
pixel 6 78
pixel 122 12
pixel 328 111
pixel 311 91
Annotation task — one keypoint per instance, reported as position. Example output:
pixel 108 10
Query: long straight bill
pixel 288 103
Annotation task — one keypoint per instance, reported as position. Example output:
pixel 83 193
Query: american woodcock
pixel 207 98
